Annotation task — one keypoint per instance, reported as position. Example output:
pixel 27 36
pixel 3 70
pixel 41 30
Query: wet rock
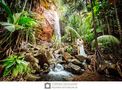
pixel 82 58
pixel 67 56
pixel 76 62
pixel 30 58
pixel 75 69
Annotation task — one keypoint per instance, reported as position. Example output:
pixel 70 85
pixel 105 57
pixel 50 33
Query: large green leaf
pixel 10 27
pixel 70 29
pixel 7 10
pixel 15 71
pixel 8 64
pixel 7 71
pixel 20 67
pixel 16 17
pixel 26 21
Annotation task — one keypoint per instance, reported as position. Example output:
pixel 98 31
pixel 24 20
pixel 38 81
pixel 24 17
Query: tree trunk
pixel 108 26
pixel 118 22
pixel 97 52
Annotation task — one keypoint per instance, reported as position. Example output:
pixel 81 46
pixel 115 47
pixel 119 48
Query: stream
pixel 58 74
pixel 57 71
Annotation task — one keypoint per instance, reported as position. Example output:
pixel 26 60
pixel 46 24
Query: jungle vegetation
pixel 28 45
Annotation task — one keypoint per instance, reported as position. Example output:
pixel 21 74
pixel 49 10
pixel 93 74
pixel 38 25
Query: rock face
pixel 75 69
pixel 44 30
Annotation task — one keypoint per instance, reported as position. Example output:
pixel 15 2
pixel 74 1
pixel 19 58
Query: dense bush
pixel 106 42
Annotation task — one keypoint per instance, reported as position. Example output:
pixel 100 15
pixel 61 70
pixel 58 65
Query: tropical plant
pixel 15 65
pixel 17 29
pixel 17 21
pixel 79 26
pixel 7 10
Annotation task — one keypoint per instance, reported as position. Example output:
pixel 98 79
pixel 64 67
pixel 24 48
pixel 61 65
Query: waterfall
pixel 57 27
pixel 81 48
pixel 82 52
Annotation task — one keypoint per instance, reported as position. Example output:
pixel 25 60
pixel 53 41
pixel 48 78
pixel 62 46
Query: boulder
pixel 67 56
pixel 75 61
pixel 75 69
pixel 81 58
pixel 42 60
pixel 30 58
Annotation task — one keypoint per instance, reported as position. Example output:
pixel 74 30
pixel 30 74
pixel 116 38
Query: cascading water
pixel 53 19
pixel 57 27
pixel 82 51
pixel 57 73
pixel 81 48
